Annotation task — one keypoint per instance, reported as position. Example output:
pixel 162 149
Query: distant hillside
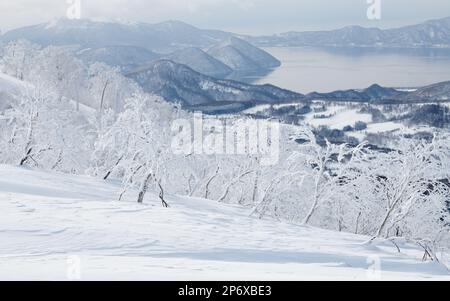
pixel 439 92
pixel 373 93
pixel 124 57
pixel 431 115
pixel 128 46
pixel 200 61
pixel 175 35
pixel 241 55
pixel 161 37
pixel 179 83
pixel 435 92
pixel 434 33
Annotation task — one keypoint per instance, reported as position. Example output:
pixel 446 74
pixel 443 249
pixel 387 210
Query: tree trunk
pixel 102 100
pixel 161 195
pixel 255 188
pixel 112 169
pixel 210 181
pixel 230 184
pixel 312 210
pixel 58 161
pixel 29 148
pixel 383 224
pixel 26 157
pixel 144 188
pixel 101 106
pixel 357 223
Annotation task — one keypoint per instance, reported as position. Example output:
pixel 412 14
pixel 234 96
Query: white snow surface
pixel 48 219
pixel 10 84
pixel 342 117
pixel 10 88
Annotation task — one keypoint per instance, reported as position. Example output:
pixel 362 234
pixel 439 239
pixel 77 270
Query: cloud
pixel 15 13
pixel 264 15
pixel 245 4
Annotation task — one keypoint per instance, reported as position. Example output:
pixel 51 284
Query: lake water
pixel 309 69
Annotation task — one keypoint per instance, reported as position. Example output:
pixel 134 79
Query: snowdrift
pixel 51 222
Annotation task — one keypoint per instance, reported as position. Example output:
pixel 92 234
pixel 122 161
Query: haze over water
pixel 309 69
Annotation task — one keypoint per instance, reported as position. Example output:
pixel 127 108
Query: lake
pixel 310 69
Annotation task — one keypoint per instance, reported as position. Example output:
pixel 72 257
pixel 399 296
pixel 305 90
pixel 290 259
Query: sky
pixel 241 16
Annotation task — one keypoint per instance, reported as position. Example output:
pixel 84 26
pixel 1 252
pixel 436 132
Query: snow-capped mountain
pixel 242 56
pixel 438 92
pixel 435 92
pixel 430 33
pixel 372 93
pixel 232 55
pixel 200 61
pixel 161 37
pixel 179 83
pixel 123 57
pixel 434 33
pixel 129 45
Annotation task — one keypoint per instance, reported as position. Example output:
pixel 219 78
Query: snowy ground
pixel 341 118
pixel 59 227
pixel 9 88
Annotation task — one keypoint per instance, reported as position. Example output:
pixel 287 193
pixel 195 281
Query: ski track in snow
pixel 47 217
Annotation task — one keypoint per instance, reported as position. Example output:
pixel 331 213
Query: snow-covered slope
pixel 179 83
pixel 53 226
pixel 435 92
pixel 200 61
pixel 124 57
pixel 10 88
pixel 240 55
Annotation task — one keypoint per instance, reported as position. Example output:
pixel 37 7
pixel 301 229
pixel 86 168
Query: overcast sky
pixel 241 16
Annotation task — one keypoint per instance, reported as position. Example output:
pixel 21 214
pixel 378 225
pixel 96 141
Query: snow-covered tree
pixel 326 171
pixel 405 179
pixel 18 58
pixel 108 88
pixel 136 146
pixel 45 132
pixel 80 119
pixel 59 68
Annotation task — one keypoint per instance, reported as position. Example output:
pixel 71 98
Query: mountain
pixel 434 33
pixel 129 45
pixel 124 57
pixel 179 83
pixel 240 55
pixel 234 59
pixel 161 37
pixel 170 36
pixel 439 92
pixel 200 61
pixel 378 92
pixel 373 93
pixel 435 92
pixel 430 33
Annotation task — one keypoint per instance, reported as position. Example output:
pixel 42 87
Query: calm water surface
pixel 309 69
